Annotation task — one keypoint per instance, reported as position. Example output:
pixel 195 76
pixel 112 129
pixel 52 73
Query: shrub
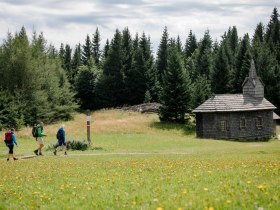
pixel 78 145
pixel 71 144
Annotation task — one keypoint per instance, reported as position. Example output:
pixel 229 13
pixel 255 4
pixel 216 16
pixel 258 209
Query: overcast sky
pixel 69 21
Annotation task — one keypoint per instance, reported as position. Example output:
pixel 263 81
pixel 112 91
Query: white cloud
pixel 69 21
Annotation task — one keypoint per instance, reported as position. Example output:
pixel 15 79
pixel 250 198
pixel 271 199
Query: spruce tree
pixel 38 44
pixel 191 45
pixel 96 46
pixel 266 64
pixel 62 54
pixel 85 84
pixel 150 71
pixel 233 40
pixel 230 46
pixel 220 76
pixel 259 33
pixel 243 61
pixel 67 61
pixel 126 68
pixel 179 45
pixel 86 53
pixel 104 54
pixel 272 34
pixel 201 91
pixel 204 60
pixel 111 85
pixel 162 54
pixel 136 79
pixel 175 97
pixel 190 67
pixel 76 63
pixel 267 68
pixel 273 28
pixel 106 49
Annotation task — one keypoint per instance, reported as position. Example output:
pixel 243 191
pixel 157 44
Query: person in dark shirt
pixel 61 140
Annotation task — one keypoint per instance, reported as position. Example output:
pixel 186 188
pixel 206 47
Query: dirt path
pixel 108 153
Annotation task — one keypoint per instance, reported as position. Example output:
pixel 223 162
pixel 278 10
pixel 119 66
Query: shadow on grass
pixel 251 140
pixel 188 129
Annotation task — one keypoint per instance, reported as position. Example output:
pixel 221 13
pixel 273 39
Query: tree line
pixel 40 82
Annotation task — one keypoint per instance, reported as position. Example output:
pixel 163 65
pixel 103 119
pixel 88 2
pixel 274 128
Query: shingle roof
pixel 275 116
pixel 233 103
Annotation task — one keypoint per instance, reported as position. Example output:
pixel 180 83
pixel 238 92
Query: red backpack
pixel 8 136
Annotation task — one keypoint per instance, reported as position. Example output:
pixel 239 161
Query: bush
pixel 78 145
pixel 71 144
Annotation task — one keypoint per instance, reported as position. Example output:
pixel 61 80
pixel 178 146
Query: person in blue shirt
pixel 10 145
pixel 61 140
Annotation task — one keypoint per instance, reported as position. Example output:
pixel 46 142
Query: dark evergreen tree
pixel 126 69
pixel 52 52
pixel 233 40
pixel 243 63
pixel 259 33
pixel 136 42
pixel 215 49
pixel 190 67
pixel 191 45
pixel 96 46
pixel 140 79
pixel 39 45
pixel 9 114
pixel 145 45
pixel 110 87
pixel 104 54
pixel 179 45
pixel 86 53
pixel 106 49
pixel 272 34
pixel 220 76
pixel 136 78
pixel 62 54
pixel 204 62
pixel 149 69
pixel 162 54
pixel 175 98
pixel 229 46
pixel 265 50
pixel 201 91
pixel 76 63
pixel 86 85
pixel 267 68
pixel 273 28
pixel 67 61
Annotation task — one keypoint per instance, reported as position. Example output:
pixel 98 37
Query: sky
pixel 69 21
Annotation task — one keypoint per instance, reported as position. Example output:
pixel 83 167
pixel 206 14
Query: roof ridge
pixel 234 103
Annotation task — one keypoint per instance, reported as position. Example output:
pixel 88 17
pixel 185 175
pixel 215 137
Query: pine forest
pixel 40 82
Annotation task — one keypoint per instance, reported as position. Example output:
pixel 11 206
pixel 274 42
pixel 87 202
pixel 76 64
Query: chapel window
pixel 242 123
pixel 259 122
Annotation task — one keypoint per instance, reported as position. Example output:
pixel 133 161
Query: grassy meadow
pixel 136 162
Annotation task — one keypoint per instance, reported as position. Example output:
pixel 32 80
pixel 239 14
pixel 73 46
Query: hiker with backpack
pixel 60 135
pixel 10 140
pixel 39 134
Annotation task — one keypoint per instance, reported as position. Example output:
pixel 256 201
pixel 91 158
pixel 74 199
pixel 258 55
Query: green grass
pixel 142 165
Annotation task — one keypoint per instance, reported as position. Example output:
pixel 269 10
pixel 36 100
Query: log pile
pixel 143 108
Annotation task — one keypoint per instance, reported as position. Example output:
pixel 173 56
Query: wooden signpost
pixel 88 118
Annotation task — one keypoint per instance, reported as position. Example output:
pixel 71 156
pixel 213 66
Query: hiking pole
pixel 88 118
